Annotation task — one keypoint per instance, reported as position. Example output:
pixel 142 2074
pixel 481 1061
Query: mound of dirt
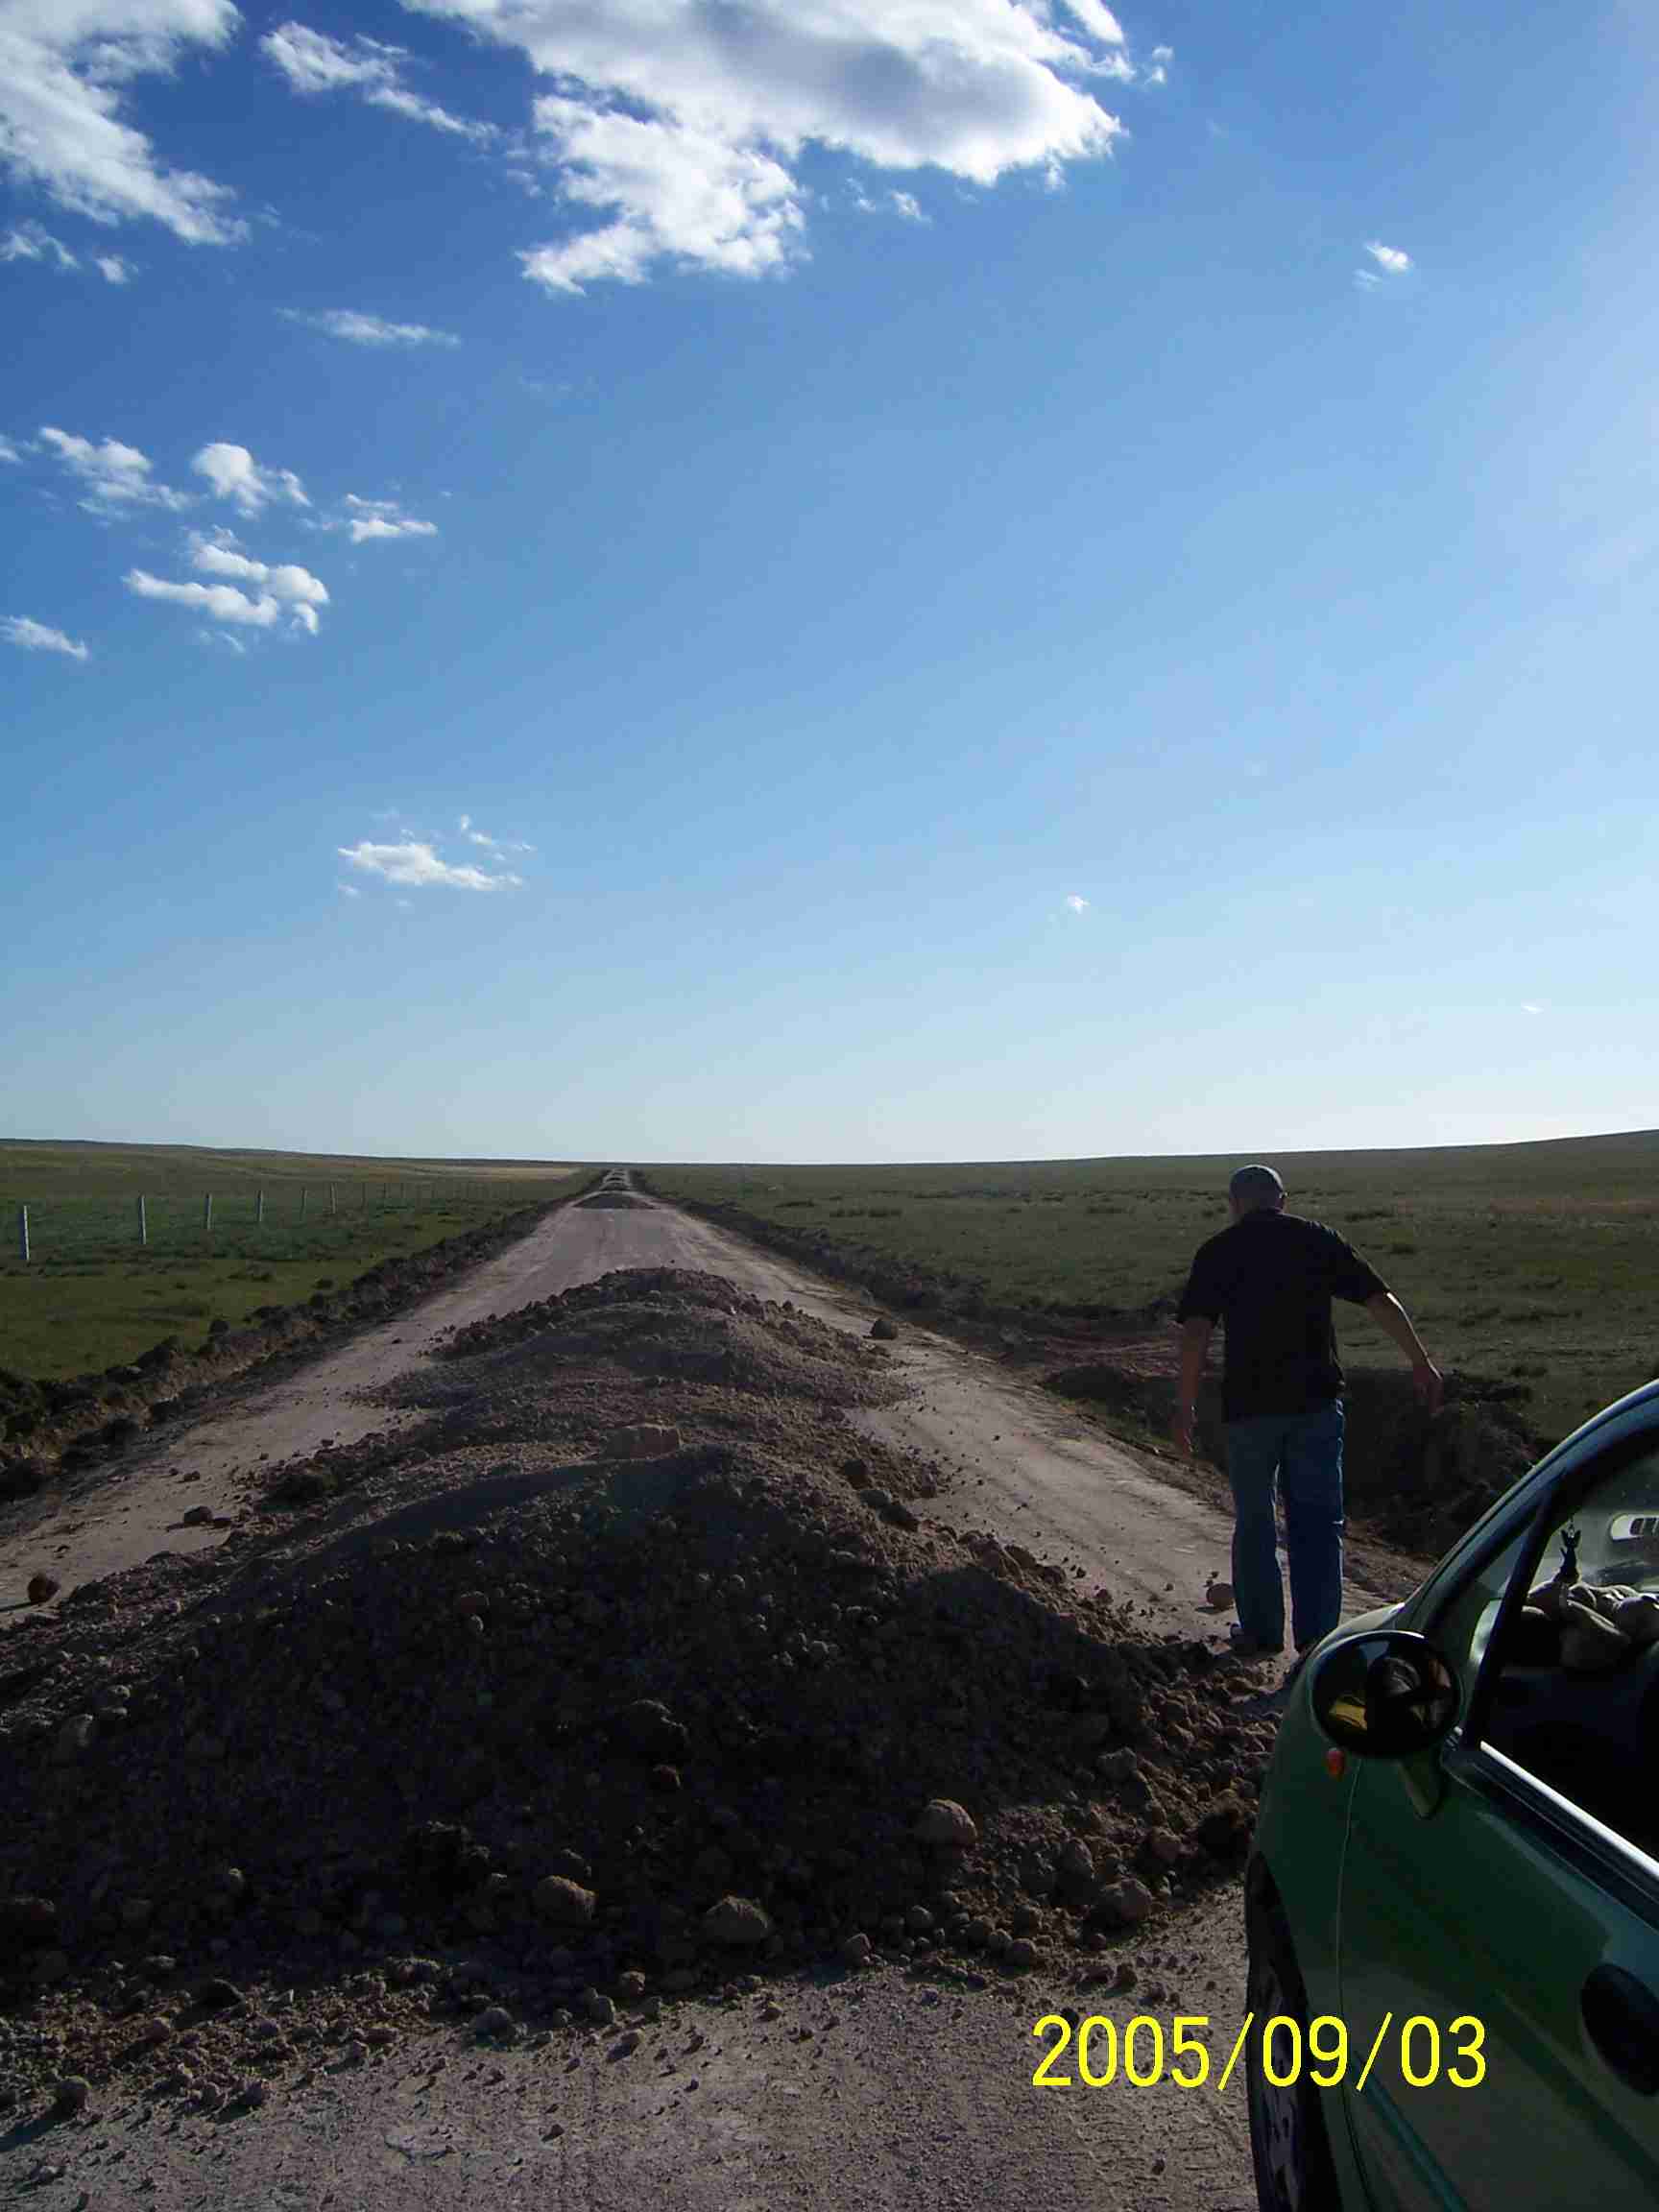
pixel 664 1322
pixel 614 1198
pixel 566 1732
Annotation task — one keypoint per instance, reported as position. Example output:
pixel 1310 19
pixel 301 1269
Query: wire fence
pixel 261 1217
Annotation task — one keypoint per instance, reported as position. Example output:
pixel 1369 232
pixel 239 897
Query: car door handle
pixel 1622 2019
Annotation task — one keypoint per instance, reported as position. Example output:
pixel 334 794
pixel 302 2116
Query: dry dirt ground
pixel 711 2085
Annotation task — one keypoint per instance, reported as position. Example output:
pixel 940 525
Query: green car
pixel 1452 1897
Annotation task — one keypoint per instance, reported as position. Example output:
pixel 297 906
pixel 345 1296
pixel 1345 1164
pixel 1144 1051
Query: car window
pixel 1574 1696
pixel 1463 1625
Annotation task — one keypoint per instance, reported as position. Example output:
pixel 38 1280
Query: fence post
pixel 23 1232
pixel 143 1224
pixel 259 1209
pixel 364 1187
pixel 331 1198
pixel 207 1211
pixel 301 1201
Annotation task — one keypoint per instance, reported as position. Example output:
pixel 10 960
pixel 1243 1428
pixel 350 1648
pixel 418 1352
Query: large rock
pixel 563 1902
pixel 646 1441
pixel 736 1923
pixel 942 1821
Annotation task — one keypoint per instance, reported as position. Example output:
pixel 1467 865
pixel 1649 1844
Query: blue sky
pixel 953 580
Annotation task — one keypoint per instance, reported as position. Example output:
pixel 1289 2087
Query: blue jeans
pixel 1300 1456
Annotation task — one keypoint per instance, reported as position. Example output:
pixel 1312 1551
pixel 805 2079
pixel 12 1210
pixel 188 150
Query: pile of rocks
pixel 603 1725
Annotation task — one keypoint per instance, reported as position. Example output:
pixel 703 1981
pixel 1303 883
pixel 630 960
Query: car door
pixel 1509 1882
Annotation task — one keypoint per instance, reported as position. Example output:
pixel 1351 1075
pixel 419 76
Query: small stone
pixel 627 2043
pixel 599 2008
pixel 1124 1904
pixel 883 1329
pixel 41 1587
pixel 197 1517
pixel 495 2022
pixel 73 1738
pixel 855 1950
pixel 631 1985
pixel 69 2094
pixel 1164 1845
pixel 1020 1953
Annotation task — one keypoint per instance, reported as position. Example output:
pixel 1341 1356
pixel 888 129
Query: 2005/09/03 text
pixel 1144 2053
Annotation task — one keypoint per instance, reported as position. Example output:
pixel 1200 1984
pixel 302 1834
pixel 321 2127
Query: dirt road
pixel 929 2089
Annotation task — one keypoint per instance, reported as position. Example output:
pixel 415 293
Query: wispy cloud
pixel 315 63
pixel 9 452
pixel 39 637
pixel 369 519
pixel 66 74
pixel 349 890
pixel 114 475
pixel 359 330
pixel 113 269
pixel 1528 1008
pixel 29 242
pixel 476 836
pixel 235 475
pixel 1157 70
pixel 220 602
pixel 1075 901
pixel 415 864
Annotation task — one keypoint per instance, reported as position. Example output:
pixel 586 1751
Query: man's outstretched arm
pixel 1392 1318
pixel 1195 1347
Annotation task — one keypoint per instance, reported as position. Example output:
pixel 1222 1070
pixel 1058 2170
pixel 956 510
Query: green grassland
pixel 93 1296
pixel 1536 1261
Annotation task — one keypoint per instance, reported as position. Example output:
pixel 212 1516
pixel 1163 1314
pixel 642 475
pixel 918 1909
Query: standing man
pixel 1270 1279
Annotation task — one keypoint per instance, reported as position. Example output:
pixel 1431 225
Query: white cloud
pixel 66 68
pixel 1389 259
pixel 680 126
pixel 116 475
pixel 1526 1008
pixel 1157 70
pixel 113 269
pixel 374 519
pixel 223 602
pixel 349 890
pixel 234 475
pixel 37 638
pixel 415 863
pixel 9 452
pixel 314 63
pixel 906 204
pixel 1077 904
pixel 29 242
pixel 359 330
pixel 293 586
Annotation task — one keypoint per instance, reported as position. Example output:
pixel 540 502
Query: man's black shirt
pixel 1270 1280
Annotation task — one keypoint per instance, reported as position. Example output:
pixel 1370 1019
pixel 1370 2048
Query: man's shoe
pixel 1245 1647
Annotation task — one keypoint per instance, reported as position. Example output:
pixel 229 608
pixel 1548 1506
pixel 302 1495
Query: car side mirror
pixel 1384 1695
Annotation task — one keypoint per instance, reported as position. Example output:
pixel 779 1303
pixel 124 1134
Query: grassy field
pixel 1535 1262
pixel 92 1295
